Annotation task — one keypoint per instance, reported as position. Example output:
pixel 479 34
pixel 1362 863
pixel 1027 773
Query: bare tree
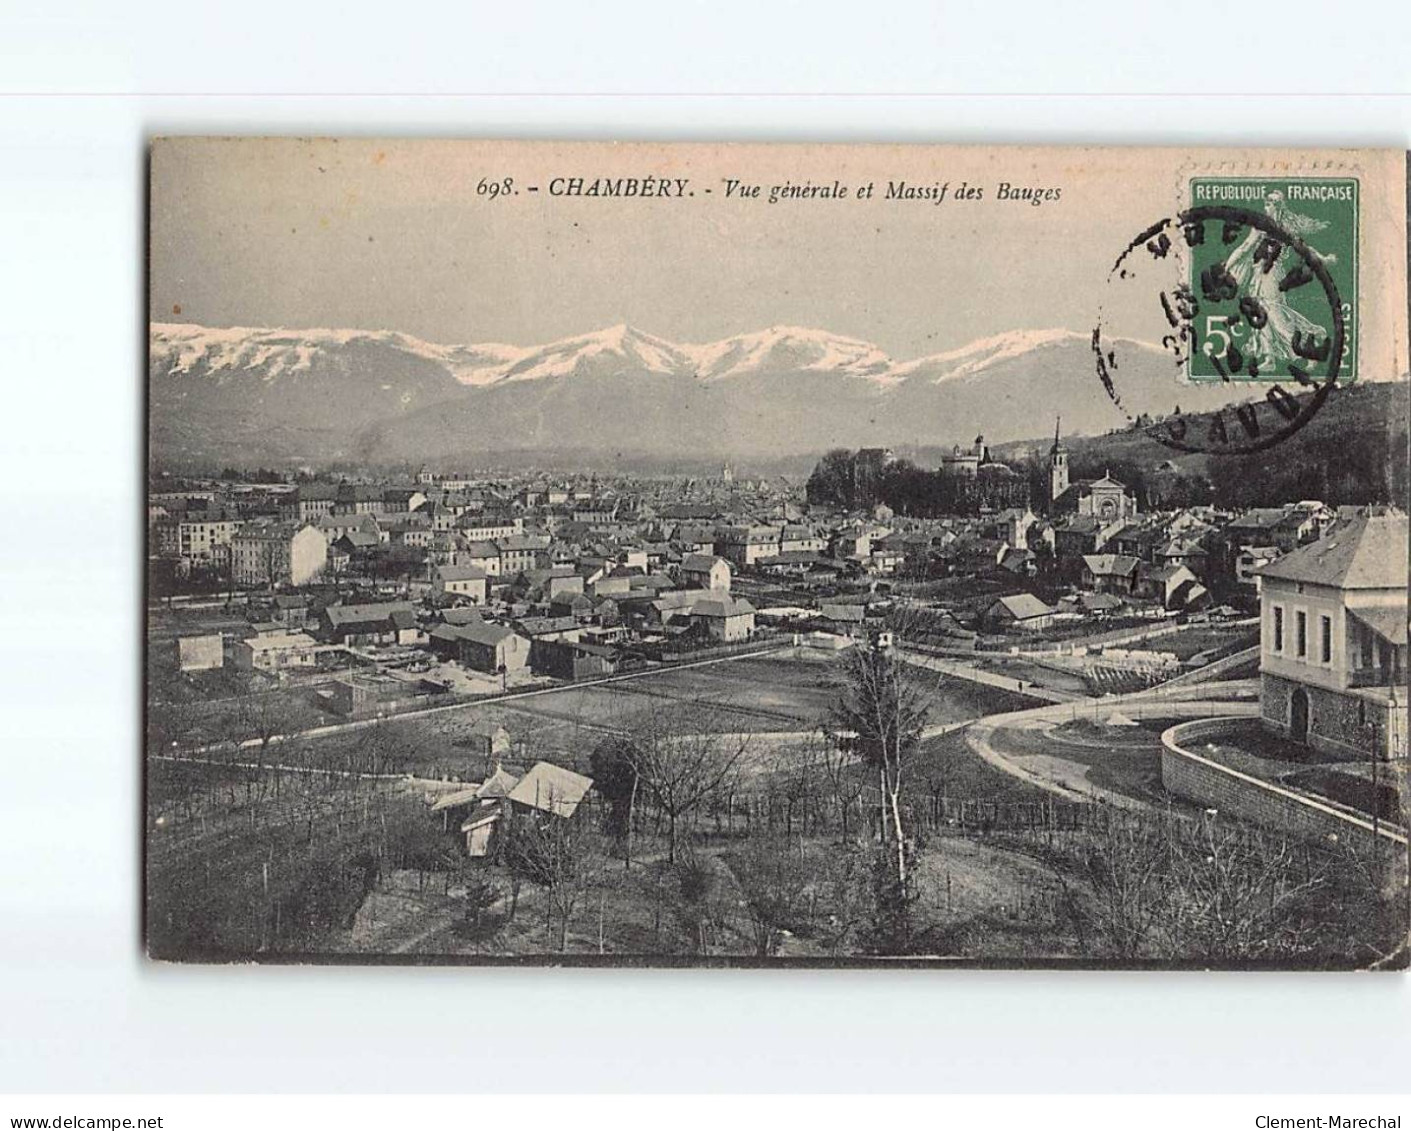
pixel 773 883
pixel 1125 865
pixel 1232 890
pixel 881 716
pixel 681 764
pixel 841 770
pixel 560 855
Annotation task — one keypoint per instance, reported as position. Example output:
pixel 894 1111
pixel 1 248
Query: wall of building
pixel 1341 724
pixel 1315 602
pixel 1208 783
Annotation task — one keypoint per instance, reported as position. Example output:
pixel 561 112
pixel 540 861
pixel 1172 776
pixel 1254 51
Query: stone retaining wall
pixel 1206 782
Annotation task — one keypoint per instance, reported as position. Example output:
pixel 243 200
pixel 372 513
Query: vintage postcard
pixel 776 554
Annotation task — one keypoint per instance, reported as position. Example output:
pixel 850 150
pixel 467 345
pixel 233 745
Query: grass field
pixel 1201 638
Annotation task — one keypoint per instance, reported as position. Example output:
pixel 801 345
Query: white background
pixel 82 86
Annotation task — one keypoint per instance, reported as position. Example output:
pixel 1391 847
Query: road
pixel 1068 779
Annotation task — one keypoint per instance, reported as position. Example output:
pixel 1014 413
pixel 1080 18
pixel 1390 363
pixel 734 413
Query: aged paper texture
pixel 776 554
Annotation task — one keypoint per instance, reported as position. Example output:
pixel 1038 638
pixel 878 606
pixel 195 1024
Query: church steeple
pixel 1057 464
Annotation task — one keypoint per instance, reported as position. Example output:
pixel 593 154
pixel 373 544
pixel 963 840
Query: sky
pixel 388 234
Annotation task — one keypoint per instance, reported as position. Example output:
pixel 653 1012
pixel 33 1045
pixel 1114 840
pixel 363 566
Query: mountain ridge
pixel 281 395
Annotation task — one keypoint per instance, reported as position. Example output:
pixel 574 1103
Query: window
pixel 1301 621
pixel 1325 625
pixel 1278 628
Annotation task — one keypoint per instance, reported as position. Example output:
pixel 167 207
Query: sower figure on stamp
pixel 1250 266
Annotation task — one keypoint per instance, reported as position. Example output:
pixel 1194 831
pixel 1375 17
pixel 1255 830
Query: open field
pixel 1192 641
pixel 754 695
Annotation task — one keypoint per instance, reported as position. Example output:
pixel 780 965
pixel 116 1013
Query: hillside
pixel 1354 450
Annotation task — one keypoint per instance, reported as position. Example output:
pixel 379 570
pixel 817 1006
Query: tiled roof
pixel 1368 552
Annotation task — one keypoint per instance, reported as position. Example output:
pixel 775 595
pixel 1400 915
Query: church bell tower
pixel 1057 464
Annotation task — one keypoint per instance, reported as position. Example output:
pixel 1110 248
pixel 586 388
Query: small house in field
pixel 550 790
pixel 1019 611
pixel 727 619
pixel 479 809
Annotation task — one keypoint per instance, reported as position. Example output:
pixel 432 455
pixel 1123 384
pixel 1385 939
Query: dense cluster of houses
pixel 570 580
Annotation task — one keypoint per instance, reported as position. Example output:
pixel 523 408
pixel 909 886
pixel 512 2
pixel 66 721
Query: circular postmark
pixel 1250 324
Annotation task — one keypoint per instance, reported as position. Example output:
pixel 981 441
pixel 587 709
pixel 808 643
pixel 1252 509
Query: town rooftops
pixel 551 789
pixel 1368 552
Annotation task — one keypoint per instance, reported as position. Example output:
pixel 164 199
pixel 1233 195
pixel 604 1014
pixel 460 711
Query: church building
pixel 1106 499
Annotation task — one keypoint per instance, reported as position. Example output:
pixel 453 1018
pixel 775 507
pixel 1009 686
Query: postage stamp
pixel 1253 267
pixel 1257 287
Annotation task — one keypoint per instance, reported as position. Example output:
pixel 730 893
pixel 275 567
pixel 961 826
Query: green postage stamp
pixel 1265 311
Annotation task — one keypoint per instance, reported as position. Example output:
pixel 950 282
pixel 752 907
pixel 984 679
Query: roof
pixel 365 614
pixel 524 542
pixel 552 789
pixel 1388 622
pixel 1023 606
pixel 1110 565
pixel 1100 602
pixel 1368 552
pixel 1081 523
pixel 851 614
pixel 543 626
pixel 1165 573
pixel 460 573
pixel 722 607
pixel 694 562
pixel 483 633
pixel 468 796
pixel 499 784
pixel 1259 519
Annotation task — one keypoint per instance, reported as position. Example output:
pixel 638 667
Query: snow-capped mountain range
pixel 248 393
pixel 271 353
